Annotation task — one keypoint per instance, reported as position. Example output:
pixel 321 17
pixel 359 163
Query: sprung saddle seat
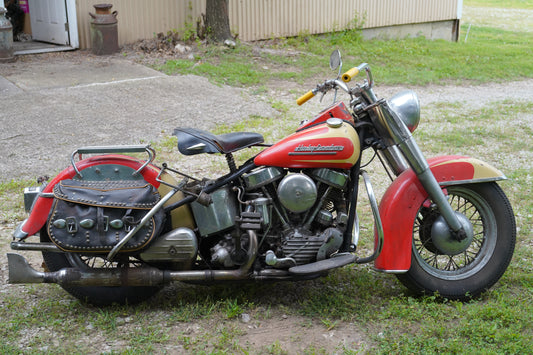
pixel 195 141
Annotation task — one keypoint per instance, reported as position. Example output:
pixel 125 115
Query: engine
pixel 303 214
pixel 299 217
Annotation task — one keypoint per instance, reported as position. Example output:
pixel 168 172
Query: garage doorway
pixel 49 26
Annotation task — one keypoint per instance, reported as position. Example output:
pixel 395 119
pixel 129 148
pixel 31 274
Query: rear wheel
pixel 464 272
pixel 97 295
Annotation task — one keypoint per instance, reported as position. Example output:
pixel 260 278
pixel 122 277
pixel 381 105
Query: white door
pixel 49 21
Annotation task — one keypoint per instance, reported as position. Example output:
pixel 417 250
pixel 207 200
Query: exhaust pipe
pixel 20 272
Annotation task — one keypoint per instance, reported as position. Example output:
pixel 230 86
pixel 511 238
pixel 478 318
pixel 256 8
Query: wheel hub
pixel 443 239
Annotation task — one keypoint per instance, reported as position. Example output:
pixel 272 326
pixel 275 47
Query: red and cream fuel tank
pixel 336 110
pixel 333 144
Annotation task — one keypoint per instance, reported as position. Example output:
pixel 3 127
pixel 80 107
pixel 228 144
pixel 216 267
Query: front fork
pixel 401 139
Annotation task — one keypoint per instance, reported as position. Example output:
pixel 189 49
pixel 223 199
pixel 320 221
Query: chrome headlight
pixel 407 107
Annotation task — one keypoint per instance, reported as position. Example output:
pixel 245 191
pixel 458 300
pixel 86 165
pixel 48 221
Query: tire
pixel 484 260
pixel 95 295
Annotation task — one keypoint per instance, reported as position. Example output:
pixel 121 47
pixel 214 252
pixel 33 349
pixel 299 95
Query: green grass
pixel 475 129
pixel 509 4
pixel 394 322
pixel 488 55
pixel 11 200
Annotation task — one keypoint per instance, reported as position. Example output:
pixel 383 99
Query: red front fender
pixel 42 206
pixel 402 200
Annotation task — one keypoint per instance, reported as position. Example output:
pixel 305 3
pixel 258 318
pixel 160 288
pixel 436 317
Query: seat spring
pixel 231 162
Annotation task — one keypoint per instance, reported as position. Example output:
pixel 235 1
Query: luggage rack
pixel 165 167
pixel 113 149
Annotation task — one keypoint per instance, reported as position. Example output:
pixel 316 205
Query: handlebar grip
pixel 304 98
pixel 350 74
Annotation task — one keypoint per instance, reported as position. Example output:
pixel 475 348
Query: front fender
pixel 402 200
pixel 41 208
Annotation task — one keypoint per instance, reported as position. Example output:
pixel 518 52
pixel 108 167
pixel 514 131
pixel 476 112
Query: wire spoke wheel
pixel 480 215
pixel 98 295
pixel 477 266
pixel 99 262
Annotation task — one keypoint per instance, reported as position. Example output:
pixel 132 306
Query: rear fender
pixel 42 205
pixel 402 200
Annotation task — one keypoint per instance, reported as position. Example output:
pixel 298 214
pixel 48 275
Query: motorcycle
pixel 114 227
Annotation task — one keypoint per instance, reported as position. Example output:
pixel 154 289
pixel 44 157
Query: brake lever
pixel 325 87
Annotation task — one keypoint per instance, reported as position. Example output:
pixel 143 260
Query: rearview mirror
pixel 335 59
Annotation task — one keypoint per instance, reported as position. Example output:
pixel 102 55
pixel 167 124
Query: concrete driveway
pixel 52 104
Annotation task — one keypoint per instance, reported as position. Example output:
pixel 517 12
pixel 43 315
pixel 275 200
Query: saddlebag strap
pixel 101 225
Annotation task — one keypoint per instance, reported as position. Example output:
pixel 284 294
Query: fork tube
pixel 416 159
pixel 394 159
pixel 391 126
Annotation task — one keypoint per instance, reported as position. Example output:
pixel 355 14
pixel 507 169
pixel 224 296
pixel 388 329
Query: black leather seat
pixel 195 141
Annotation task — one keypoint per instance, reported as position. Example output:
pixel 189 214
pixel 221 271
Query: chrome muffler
pixel 21 272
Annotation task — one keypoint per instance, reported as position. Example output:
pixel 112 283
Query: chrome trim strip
pixel 391 271
pixel 198 146
pixel 472 181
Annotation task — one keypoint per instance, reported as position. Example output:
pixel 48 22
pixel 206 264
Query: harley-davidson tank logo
pixel 317 149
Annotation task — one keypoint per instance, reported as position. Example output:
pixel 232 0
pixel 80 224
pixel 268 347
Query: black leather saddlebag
pixel 93 216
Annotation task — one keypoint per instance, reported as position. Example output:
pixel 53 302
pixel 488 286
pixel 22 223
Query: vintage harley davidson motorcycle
pixel 115 228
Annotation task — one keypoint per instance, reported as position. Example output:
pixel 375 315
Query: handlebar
pixel 338 84
pixel 350 74
pixel 304 98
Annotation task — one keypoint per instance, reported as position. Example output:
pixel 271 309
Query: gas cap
pixel 334 122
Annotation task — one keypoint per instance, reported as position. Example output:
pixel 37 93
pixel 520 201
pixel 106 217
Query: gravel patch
pixel 58 105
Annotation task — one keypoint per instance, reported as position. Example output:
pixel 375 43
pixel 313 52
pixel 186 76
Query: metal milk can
pixel 104 30
pixel 6 38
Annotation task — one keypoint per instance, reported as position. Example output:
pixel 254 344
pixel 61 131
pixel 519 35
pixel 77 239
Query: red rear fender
pixel 42 205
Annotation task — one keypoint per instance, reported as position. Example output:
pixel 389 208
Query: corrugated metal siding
pixel 138 19
pixel 388 12
pixel 263 19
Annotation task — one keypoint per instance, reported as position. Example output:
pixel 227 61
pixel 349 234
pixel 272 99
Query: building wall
pixel 263 19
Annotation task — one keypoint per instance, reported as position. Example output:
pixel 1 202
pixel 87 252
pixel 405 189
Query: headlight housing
pixel 407 106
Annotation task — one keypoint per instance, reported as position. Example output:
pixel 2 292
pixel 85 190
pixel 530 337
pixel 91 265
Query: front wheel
pixel 465 274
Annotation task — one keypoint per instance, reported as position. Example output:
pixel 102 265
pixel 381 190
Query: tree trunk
pixel 217 20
